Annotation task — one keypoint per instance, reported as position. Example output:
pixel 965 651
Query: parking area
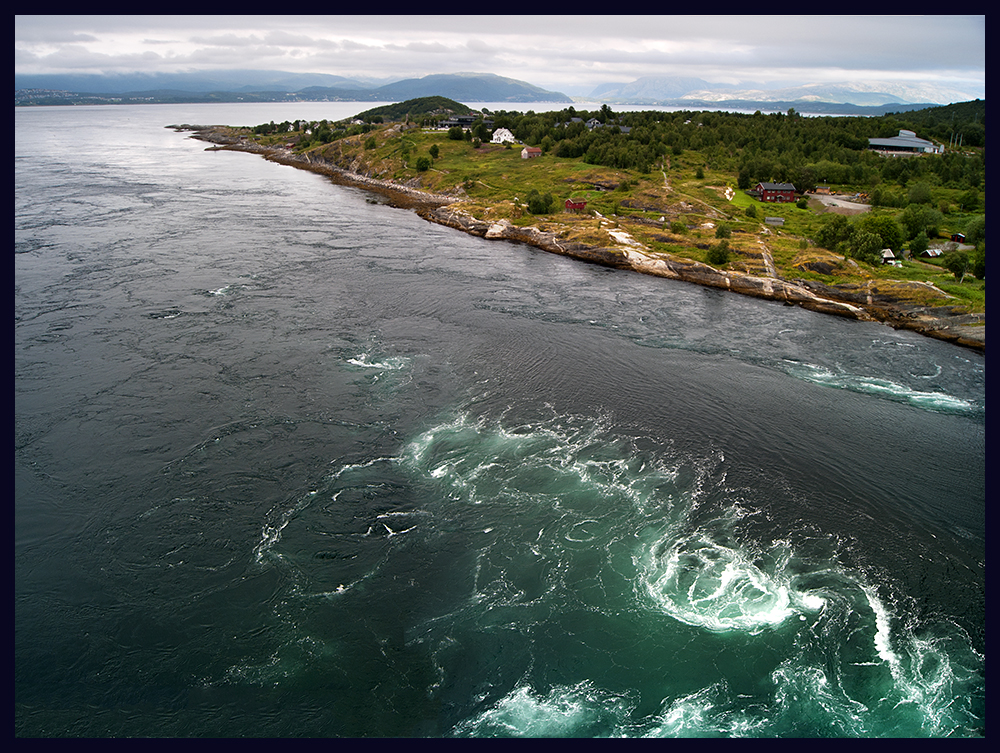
pixel 840 204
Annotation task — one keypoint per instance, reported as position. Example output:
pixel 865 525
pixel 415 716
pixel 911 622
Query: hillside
pixel 677 208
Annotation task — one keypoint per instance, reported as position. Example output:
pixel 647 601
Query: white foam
pixel 565 711
pixel 706 584
pixel 880 387
pixel 389 364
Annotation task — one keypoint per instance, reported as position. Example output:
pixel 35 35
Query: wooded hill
pixel 420 108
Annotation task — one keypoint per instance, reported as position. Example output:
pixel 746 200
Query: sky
pixel 560 53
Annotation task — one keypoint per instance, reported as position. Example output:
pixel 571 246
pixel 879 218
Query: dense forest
pixel 780 147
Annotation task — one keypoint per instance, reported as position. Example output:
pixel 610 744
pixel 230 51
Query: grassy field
pixel 670 209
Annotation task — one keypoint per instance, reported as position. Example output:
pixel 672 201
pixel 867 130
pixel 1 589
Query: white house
pixel 503 136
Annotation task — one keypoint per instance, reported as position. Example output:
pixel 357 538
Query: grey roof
pixel 905 140
pixel 777 186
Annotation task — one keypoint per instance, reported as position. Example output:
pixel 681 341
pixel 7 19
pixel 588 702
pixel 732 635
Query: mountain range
pixel 260 85
pixel 249 85
pixel 651 90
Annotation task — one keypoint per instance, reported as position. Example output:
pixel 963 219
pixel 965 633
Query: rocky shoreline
pixel 863 303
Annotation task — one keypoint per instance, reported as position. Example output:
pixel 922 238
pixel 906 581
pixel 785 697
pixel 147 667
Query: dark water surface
pixel 290 462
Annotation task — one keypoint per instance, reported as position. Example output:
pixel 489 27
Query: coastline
pixel 862 303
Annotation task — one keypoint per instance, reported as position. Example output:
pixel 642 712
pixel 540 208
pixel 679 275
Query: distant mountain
pixel 200 82
pixel 469 87
pixel 679 91
pixel 650 87
pixel 225 85
pixel 272 86
pixel 856 93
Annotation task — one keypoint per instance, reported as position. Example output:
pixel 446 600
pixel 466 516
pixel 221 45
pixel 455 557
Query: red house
pixel 575 205
pixel 774 192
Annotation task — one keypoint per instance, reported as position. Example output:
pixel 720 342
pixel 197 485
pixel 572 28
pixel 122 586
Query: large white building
pixel 906 141
pixel 503 136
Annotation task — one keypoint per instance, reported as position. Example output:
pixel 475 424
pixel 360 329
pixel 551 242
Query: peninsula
pixel 683 217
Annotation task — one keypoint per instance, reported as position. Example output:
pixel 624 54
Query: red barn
pixel 577 205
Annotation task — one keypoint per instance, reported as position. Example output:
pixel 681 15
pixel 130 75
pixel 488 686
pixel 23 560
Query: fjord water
pixel 293 462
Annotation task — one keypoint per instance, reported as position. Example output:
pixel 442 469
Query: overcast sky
pixel 555 52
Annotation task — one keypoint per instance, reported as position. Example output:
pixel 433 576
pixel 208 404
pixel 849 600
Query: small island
pixel 777 206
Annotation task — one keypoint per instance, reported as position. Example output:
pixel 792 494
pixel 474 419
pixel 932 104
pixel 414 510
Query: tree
pixel 918 217
pixel 884 226
pixel 865 246
pixel 975 229
pixel 957 262
pixel 723 231
pixel 919 244
pixel 979 262
pixel 719 253
pixel 969 201
pixel 743 181
pixel 434 151
pixel 423 163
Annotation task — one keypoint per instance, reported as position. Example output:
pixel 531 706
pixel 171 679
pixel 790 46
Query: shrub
pixel 719 254
pixel 723 231
pixel 423 163
pixel 919 193
pixel 539 204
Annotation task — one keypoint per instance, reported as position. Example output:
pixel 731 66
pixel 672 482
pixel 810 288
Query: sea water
pixel 292 462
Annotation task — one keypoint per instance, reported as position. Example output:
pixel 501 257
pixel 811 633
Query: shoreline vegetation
pixel 616 240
